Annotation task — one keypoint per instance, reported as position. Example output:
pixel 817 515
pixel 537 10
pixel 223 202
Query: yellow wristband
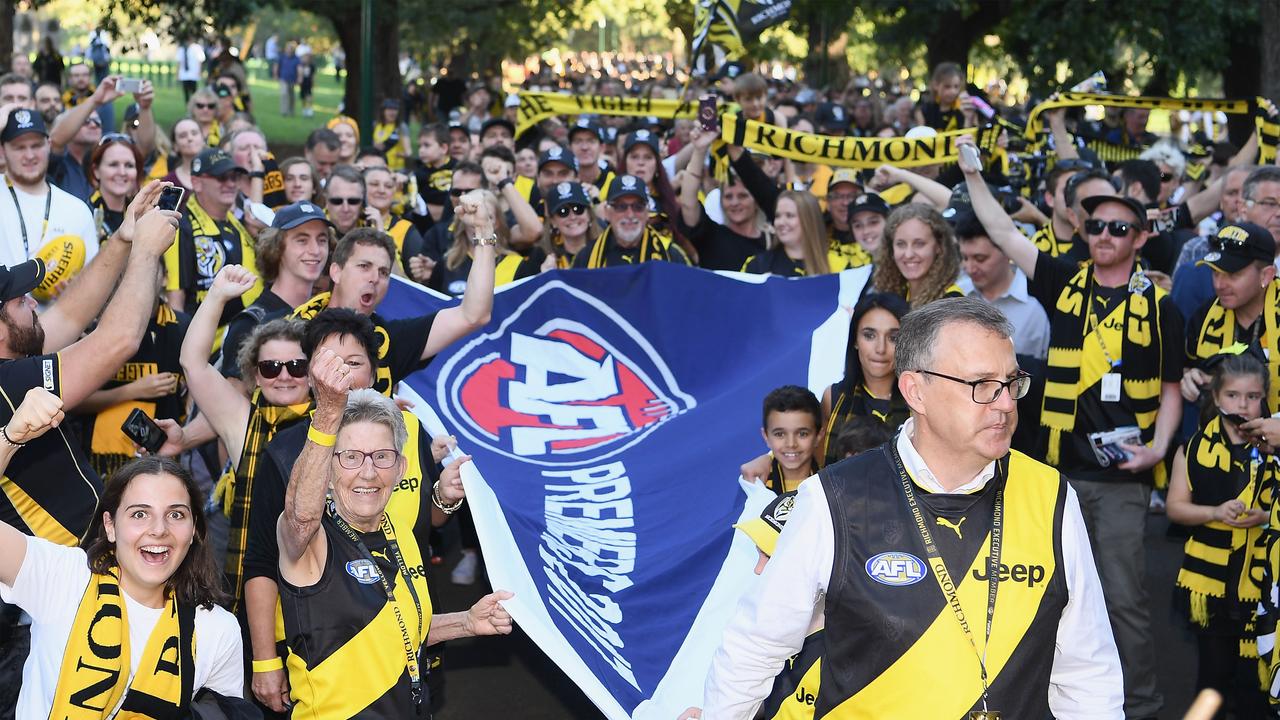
pixel 274 663
pixel 323 439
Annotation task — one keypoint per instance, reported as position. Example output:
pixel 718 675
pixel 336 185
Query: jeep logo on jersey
pixel 574 389
pixel 895 568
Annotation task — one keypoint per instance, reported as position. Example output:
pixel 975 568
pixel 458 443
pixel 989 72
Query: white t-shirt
pixel 49 587
pixel 68 215
pixel 190 62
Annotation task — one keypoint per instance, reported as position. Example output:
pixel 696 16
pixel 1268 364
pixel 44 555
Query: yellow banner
pixel 538 106
pixel 851 152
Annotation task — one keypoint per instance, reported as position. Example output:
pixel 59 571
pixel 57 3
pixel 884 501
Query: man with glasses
pixel 78 130
pixel 907 547
pixel 629 240
pixel 209 236
pixel 33 212
pixel 345 198
pixel 1115 362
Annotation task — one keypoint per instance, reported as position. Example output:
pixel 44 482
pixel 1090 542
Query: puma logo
pixel 953 526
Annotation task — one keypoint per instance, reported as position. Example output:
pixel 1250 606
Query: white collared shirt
pixel 1030 323
pixel 772 620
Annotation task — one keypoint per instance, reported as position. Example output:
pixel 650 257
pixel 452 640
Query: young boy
pixel 435 169
pixel 792 428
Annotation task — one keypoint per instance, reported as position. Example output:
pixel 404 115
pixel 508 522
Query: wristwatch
pixel 491 240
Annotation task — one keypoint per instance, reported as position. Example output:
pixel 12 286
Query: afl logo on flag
pixel 569 390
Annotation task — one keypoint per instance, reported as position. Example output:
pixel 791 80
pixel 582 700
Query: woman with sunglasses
pixel 569 227
pixel 203 108
pixel 114 168
pixel 274 368
pixel 116 622
pixel 450 276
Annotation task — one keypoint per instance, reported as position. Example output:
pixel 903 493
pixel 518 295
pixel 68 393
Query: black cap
pixel 624 185
pixel 212 162
pixel 869 202
pixel 459 127
pixel 20 279
pixel 497 122
pixel 832 116
pixel 1237 245
pixel 131 114
pixel 586 124
pixel 21 122
pixel 566 193
pixel 294 214
pixel 1091 204
pixel 558 154
pixel 645 137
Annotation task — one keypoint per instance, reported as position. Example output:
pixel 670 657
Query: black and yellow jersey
pixel 400 343
pixel 795 689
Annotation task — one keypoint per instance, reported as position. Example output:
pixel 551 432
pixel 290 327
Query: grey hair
pixel 1264 173
pixel 920 327
pixel 369 405
pixel 1166 152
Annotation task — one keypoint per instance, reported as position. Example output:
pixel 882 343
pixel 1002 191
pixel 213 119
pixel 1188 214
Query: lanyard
pixel 411 655
pixel 1093 327
pixel 943 576
pixel 22 222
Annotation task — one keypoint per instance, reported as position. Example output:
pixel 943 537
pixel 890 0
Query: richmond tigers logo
pixel 569 390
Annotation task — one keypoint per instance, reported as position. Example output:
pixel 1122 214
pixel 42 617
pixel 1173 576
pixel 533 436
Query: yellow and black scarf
pixel 236 489
pixel 95 667
pixel 1131 334
pixel 653 246
pixel 777 480
pixel 1046 240
pixel 1221 573
pixel 1218 332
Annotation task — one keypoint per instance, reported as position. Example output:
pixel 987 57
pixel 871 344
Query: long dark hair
pixel 890 302
pixel 197 580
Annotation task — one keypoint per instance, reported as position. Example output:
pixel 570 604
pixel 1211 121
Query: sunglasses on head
pixel 271 368
pixel 1116 228
pixel 564 210
pixel 206 106
pixel 346 201
pixel 115 137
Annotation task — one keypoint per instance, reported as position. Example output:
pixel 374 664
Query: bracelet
pixel 5 432
pixel 321 438
pixel 446 509
pixel 491 241
pixel 261 666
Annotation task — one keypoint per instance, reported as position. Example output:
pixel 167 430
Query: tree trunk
pixel 8 9
pixel 1241 77
pixel 957 31
pixel 386 52
pixel 1269 17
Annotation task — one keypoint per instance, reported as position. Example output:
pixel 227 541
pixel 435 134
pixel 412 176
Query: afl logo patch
pixel 363 570
pixel 896 569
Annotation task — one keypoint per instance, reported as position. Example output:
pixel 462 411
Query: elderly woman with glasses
pixel 347 573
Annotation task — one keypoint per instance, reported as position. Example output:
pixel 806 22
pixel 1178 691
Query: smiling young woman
pixel 115 622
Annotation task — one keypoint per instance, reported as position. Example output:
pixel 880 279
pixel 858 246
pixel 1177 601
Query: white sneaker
pixel 464 573
pixel 1156 505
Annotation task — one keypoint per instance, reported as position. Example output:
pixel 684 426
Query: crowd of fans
pixel 1142 294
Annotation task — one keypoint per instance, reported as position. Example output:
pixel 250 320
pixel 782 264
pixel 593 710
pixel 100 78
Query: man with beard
pixel 34 212
pixel 629 240
pixel 48 102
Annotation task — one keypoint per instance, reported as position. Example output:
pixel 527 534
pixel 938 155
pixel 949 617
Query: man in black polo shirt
pixel 629 240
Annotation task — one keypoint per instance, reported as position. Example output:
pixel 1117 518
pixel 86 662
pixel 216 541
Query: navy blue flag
pixel 607 412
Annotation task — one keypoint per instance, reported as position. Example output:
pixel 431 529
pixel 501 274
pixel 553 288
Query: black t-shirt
pixel 50 488
pixel 719 248
pixel 266 308
pixel 434 182
pixel 615 255
pixel 1092 414
pixel 774 262
pixel 402 344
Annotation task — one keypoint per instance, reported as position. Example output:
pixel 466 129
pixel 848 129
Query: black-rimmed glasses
pixel 986 392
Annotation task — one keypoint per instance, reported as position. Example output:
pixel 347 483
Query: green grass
pixel 282 132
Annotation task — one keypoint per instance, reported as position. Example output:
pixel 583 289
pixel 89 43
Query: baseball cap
pixel 869 202
pixel 21 122
pixel 1237 245
pixel 764 530
pixel 18 280
pixel 831 116
pixel 566 193
pixel 843 175
pixel 557 154
pixel 624 185
pixel 642 136
pixel 586 124
pixel 497 122
pixel 1091 204
pixel 212 162
pixel 294 214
